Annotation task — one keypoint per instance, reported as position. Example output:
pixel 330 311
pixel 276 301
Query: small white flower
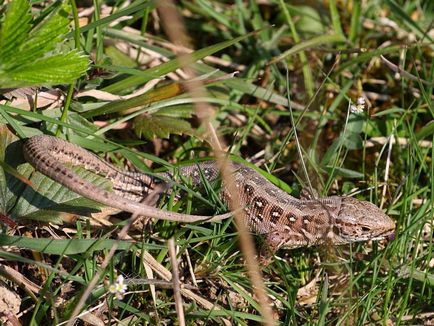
pixel 356 109
pixel 359 107
pixel 118 287
pixel 361 101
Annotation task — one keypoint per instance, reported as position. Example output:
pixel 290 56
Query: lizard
pixel 284 221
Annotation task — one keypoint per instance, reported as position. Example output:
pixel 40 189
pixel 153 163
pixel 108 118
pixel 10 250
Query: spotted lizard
pixel 282 219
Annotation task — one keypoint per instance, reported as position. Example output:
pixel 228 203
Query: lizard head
pixel 358 220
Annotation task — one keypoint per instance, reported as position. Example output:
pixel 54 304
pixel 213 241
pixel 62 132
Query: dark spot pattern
pixel 276 213
pixel 248 190
pixel 259 204
pixel 291 218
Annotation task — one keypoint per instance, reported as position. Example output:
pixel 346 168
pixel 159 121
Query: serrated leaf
pixel 29 57
pixel 14 30
pixel 151 126
pixel 44 37
pixel 57 69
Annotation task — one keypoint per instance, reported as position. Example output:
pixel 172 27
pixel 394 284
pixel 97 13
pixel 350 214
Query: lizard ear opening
pixel 336 230
pixel 366 229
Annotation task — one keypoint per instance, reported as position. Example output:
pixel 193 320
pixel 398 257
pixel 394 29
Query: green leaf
pixel 44 37
pixel 336 20
pixel 49 201
pixel 56 69
pixel 362 58
pixel 14 30
pixel 128 106
pixel 63 247
pixel 161 126
pixel 33 57
pixel 347 173
pixel 10 154
pixel 352 137
pixel 353 140
pixel 355 124
pixel 309 20
pixel 76 120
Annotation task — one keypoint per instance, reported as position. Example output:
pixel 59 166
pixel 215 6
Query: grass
pixel 304 66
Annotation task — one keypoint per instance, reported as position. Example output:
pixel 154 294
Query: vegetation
pixel 355 79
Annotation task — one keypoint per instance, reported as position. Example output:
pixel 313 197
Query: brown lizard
pixel 284 220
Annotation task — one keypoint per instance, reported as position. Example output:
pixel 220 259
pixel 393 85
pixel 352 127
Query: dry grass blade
pixel 176 31
pixel 176 283
pixel 404 73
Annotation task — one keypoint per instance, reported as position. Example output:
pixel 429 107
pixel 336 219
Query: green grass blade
pixel 330 38
pixel 173 64
pixel 355 20
pixel 63 247
pixel 336 20
pixel 133 8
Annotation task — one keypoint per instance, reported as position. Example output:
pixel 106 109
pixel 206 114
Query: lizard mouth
pixel 388 235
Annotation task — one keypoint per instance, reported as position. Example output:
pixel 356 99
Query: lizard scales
pixel 284 220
